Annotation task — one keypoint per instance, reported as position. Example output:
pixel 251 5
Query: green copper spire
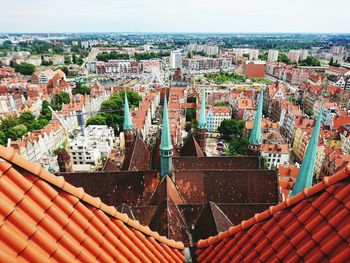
pixel 166 146
pixel 306 171
pixel 202 122
pixel 165 142
pixel 255 134
pixel 127 125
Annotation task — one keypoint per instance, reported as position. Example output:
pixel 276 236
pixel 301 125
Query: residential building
pixel 303 54
pixel 175 59
pixel 294 55
pixel 254 54
pixel 275 154
pixel 89 147
pixel 254 69
pixel 272 56
pixel 215 115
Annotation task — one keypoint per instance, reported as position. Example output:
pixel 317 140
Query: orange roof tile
pixel 339 121
pixel 43 218
pixel 280 148
pixel 309 227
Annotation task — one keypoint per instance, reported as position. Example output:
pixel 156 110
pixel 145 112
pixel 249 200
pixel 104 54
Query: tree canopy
pixel 310 61
pixel 105 56
pixel 111 111
pixel 81 89
pixel 25 68
pixel 232 131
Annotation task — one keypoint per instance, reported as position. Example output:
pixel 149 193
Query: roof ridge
pixel 258 217
pixel 9 154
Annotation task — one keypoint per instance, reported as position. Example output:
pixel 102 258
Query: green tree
pixel 25 68
pixel 3 138
pixel 263 56
pixel 9 122
pixel 67 60
pixel 190 114
pixel 74 58
pixel 282 57
pixel 65 97
pixel 310 61
pixel 231 128
pixel 17 131
pixel 96 120
pixel 191 99
pixel 80 61
pixel 238 146
pixel 309 112
pixel 65 70
pixel 79 89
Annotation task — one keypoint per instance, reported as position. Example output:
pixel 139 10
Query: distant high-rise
pixel 303 54
pixel 294 55
pixel 175 59
pixel 272 56
pixel 254 54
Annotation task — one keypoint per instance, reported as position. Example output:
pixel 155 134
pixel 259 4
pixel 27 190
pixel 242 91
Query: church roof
pixel 191 148
pixel 311 226
pixel 43 218
pixel 138 157
pixel 211 221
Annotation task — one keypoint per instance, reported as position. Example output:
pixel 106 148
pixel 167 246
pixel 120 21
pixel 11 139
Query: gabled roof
pixel 211 221
pixel 138 157
pixel 311 226
pixel 44 218
pixel 166 189
pixel 168 219
pixel 191 148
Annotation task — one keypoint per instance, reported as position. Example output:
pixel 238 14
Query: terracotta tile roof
pixel 311 226
pixel 43 218
pixel 339 121
pixel 221 109
pixel 337 69
pixel 275 148
pixel 245 103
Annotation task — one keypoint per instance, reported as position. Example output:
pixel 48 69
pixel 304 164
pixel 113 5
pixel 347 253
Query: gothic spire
pixel 127 125
pixel 202 123
pixel 255 134
pixel 306 171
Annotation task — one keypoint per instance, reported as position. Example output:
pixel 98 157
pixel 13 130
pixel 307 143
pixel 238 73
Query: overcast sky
pixel 175 16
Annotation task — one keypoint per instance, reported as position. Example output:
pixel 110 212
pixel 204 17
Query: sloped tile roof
pixel 44 218
pixel 311 226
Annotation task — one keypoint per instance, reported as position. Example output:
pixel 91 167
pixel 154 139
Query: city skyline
pixel 181 17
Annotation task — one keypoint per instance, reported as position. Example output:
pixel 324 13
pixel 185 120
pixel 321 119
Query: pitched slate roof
pixel 44 218
pixel 311 226
pixel 210 222
pixel 191 148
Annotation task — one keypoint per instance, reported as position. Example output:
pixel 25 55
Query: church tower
pixel 307 168
pixel 166 146
pixel 255 138
pixel 127 125
pixel 201 132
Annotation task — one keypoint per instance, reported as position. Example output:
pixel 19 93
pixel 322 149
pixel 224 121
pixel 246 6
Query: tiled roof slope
pixel 43 218
pixel 311 226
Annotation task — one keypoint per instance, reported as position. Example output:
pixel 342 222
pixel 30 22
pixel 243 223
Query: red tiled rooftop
pixel 338 121
pixel 312 226
pixel 337 69
pixel 43 218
